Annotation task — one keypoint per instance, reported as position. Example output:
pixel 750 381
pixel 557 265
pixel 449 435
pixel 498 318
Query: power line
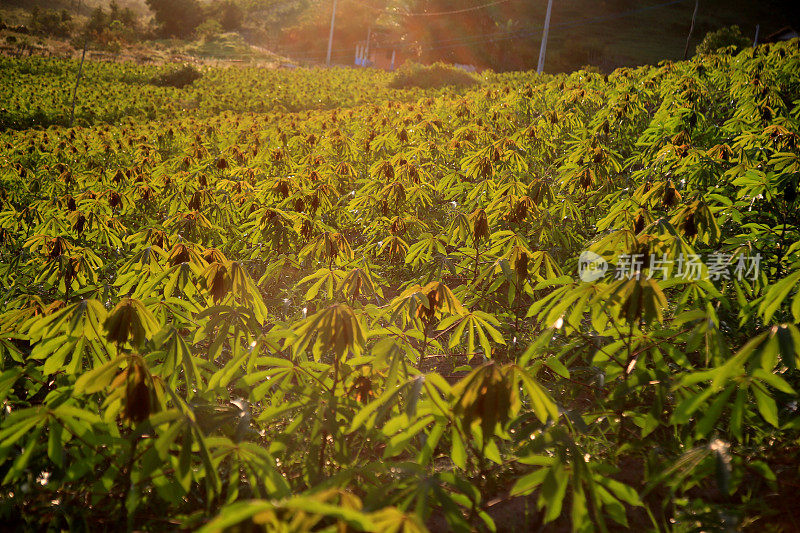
pixel 434 14
pixel 404 44
pixel 507 35
pixel 531 30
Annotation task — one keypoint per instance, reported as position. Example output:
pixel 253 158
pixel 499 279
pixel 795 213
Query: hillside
pixel 650 35
pixel 506 36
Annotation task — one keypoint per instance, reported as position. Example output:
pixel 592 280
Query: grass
pixel 225 46
pixel 431 77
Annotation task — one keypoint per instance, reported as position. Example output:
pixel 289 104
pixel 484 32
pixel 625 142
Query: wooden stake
pixel 77 82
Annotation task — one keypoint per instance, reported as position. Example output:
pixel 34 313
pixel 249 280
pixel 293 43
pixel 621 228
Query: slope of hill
pixel 651 31
pixel 607 33
pixel 504 36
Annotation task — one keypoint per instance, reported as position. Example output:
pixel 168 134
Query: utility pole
pixel 330 36
pixel 366 50
pixel 691 29
pixel 543 47
pixel 755 41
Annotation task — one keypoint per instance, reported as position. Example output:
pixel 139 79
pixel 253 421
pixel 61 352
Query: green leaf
pixel 21 462
pixel 554 488
pixel 624 492
pixel 368 410
pixel 7 380
pixel 458 453
pixel 712 414
pixel 766 404
pixel 98 378
pixel 776 294
pixel 337 328
pixel 773 380
pixel 543 405
pixel 529 482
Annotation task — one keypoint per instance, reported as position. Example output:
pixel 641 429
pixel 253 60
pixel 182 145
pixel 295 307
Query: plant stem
pixel 128 475
pixel 331 415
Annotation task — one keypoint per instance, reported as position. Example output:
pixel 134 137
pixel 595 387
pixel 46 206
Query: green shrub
pixel 715 41
pixel 432 76
pixel 226 45
pixel 50 22
pixel 209 30
pixel 176 18
pixel 186 75
pixel 231 15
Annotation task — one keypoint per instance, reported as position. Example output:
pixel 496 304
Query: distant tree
pixel 51 22
pixel 177 18
pixel 126 15
pixel 278 13
pixel 723 38
pixel 98 21
pixel 209 30
pixel 496 35
pixel 230 15
pixel 109 29
pixel 309 34
pixel 113 10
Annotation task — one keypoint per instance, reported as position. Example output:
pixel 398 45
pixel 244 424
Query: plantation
pixel 303 300
pixel 37 92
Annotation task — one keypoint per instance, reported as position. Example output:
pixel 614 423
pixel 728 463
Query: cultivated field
pixel 304 300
